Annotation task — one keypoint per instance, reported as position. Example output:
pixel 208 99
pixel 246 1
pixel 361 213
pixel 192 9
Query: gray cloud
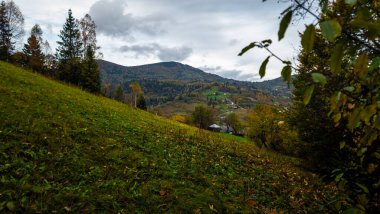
pixel 232 74
pixel 162 52
pixel 112 20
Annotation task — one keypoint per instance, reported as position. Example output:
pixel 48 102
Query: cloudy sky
pixel 207 34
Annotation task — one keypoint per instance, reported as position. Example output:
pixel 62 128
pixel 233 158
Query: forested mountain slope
pixel 163 82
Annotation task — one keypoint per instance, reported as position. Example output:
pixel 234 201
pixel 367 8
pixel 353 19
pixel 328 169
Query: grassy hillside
pixel 64 150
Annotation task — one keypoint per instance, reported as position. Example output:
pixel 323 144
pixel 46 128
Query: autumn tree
pixel 37 32
pixel 136 91
pixel 119 93
pixel 263 125
pixel 202 117
pixel 233 123
pixel 178 118
pixel 32 50
pixel 88 32
pixel 50 60
pixel 90 72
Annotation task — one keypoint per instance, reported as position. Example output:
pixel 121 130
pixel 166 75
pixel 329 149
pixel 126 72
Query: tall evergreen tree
pixel 70 46
pixel 69 52
pixel 91 73
pixel 32 50
pixel 11 28
pixel 5 34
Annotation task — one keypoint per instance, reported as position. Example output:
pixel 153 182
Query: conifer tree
pixel 70 46
pixel 11 28
pixel 69 52
pixel 91 73
pixel 5 34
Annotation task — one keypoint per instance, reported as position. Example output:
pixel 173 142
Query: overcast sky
pixel 207 34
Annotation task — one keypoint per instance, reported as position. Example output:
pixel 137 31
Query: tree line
pixel 74 61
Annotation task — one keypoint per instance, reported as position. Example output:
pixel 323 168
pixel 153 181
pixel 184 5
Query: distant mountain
pixel 159 71
pixel 166 81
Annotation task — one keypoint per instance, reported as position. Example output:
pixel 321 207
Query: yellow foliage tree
pixel 136 91
pixel 263 125
pixel 178 118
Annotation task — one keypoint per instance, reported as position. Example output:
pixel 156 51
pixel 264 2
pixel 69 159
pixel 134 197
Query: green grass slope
pixel 65 150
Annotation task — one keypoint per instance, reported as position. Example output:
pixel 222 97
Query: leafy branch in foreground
pixel 287 70
pixel 351 30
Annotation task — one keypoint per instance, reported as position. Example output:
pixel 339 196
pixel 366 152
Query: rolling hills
pixel 168 80
pixel 64 150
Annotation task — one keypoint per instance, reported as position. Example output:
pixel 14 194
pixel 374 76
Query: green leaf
pixel 342 144
pixel 319 78
pixel 11 205
pixel 308 38
pixel 337 117
pixel 364 188
pixel 284 24
pixel 338 177
pixel 375 64
pixel 377 155
pixel 349 88
pixel 361 64
pixel 330 29
pixel 367 113
pixel 352 210
pixel 286 73
pixel 263 67
pixel 351 2
pixel 335 61
pixel 247 48
pixel 307 95
pixel 354 119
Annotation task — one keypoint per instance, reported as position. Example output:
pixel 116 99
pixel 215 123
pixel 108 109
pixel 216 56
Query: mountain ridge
pixel 164 82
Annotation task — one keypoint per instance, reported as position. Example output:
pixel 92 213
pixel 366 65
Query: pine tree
pixel 70 46
pixel 69 52
pixel 32 50
pixel 11 28
pixel 6 45
pixel 91 73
